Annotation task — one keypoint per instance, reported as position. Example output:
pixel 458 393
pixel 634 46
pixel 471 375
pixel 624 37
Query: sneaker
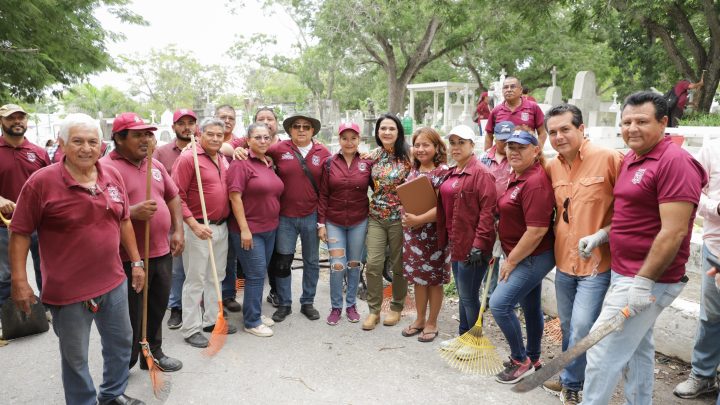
pixel 273 299
pixel 569 397
pixel 515 371
pixel 448 344
pixel 266 321
pixel 552 386
pixel 281 313
pixel 334 317
pixel 230 329
pixel 260 330
pixel 175 320
pixel 695 386
pixel 537 365
pixel 352 314
pixel 310 312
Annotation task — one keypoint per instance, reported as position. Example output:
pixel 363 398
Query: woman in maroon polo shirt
pixel 425 264
pixel 255 191
pixel 526 210
pixel 466 217
pixel 343 218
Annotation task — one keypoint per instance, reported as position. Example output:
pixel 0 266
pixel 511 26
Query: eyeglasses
pixel 265 138
pixel 510 86
pixel 304 127
pixel 566 204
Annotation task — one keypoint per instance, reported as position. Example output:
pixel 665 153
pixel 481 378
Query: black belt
pixel 211 222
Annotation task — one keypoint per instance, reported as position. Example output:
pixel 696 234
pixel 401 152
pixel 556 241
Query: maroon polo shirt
pixel 299 198
pixel 527 113
pixel 214 185
pixel 167 154
pixel 528 201
pixel 343 190
pixel 79 233
pixel 163 189
pixel 16 166
pixel 260 188
pixel 665 174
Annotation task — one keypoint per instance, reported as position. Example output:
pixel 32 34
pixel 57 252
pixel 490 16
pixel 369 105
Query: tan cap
pixel 9 109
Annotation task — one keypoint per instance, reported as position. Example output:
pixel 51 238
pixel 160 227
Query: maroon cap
pixel 181 112
pixel 130 120
pixel 349 126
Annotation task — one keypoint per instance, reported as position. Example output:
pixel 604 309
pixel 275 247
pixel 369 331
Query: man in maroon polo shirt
pixel 299 164
pixel 184 125
pixel 80 210
pixel 132 139
pixel 199 284
pixel 524 113
pixel 19 158
pixel 656 196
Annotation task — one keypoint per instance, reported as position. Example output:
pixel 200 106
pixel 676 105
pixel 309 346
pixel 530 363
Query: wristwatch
pixel 139 263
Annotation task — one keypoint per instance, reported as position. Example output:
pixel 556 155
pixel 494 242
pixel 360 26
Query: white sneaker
pixel 267 321
pixel 260 330
pixel 448 344
pixel 695 386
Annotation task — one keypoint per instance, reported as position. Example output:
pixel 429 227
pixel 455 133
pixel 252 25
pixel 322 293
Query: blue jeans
pixel 706 353
pixel 524 286
pixel 629 352
pixel 287 233
pixel 350 241
pixel 229 289
pixel 579 300
pixel 176 286
pixel 5 263
pixel 467 282
pixel 71 324
pixel 254 263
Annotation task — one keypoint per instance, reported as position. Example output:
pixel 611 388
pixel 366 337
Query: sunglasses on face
pixel 304 127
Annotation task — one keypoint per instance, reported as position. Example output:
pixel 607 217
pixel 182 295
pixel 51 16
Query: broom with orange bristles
pixel 219 333
pixel 160 385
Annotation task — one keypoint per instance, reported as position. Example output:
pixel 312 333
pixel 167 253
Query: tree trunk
pixel 711 81
pixel 396 95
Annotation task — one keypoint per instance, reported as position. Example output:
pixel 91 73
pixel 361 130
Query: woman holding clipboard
pixel 425 263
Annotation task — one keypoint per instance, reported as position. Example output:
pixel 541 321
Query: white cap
pixel 463 131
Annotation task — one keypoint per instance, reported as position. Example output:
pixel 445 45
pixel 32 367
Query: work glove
pixel 639 296
pixel 587 244
pixel 475 256
pixel 497 249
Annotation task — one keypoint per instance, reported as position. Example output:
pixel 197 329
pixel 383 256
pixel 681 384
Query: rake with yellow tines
pixel 472 352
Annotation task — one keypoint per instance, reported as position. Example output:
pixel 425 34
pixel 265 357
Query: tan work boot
pixel 392 318
pixel 370 322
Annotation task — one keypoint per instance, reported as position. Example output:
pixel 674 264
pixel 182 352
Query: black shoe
pixel 230 329
pixel 197 340
pixel 175 320
pixel 232 305
pixel 310 312
pixel 273 299
pixel 282 313
pixel 124 400
pixel 165 363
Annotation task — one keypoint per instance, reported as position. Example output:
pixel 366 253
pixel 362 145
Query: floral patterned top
pixel 387 173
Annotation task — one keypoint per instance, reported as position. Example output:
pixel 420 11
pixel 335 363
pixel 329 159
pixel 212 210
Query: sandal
pixel 423 337
pixel 412 330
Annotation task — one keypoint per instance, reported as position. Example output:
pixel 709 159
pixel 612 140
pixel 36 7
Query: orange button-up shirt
pixel 587 186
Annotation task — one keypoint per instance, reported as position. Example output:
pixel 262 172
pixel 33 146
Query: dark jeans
pixel 159 279
pixel 229 289
pixel 5 263
pixel 468 278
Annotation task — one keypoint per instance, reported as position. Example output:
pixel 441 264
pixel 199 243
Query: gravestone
pixel 553 94
pixel 584 95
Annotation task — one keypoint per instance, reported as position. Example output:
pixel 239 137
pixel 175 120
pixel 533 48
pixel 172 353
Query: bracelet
pixel 139 263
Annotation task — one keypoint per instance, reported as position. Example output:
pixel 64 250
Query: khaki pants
pixel 379 235
pixel 199 282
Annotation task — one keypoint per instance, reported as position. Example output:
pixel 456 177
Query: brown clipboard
pixel 417 195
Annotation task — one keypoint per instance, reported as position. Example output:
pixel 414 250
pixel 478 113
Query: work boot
pixel 164 363
pixel 695 386
pixel 392 318
pixel 370 322
pixel 552 386
pixel 232 305
pixel 230 329
pixel 569 397
pixel 175 321
pixel 310 312
pixel 281 313
pixel 197 339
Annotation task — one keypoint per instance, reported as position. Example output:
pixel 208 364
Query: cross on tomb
pixel 554 76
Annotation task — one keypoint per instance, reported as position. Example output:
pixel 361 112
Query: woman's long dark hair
pixel 401 148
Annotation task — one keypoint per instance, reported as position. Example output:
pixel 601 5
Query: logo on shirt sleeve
pixel 31 156
pixel 287 156
pixel 114 194
pixel 637 178
pixel 316 160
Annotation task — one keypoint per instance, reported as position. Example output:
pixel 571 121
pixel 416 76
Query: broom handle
pixel 148 195
pixel 488 278
pixel 204 214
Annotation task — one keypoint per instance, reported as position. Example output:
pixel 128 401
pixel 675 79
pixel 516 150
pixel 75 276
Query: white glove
pixel 497 249
pixel 587 244
pixel 639 296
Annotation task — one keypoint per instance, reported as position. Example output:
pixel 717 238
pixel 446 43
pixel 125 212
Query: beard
pixel 182 137
pixel 15 130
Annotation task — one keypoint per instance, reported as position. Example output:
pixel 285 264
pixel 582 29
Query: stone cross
pixel 502 75
pixel 554 76
pixel 615 96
